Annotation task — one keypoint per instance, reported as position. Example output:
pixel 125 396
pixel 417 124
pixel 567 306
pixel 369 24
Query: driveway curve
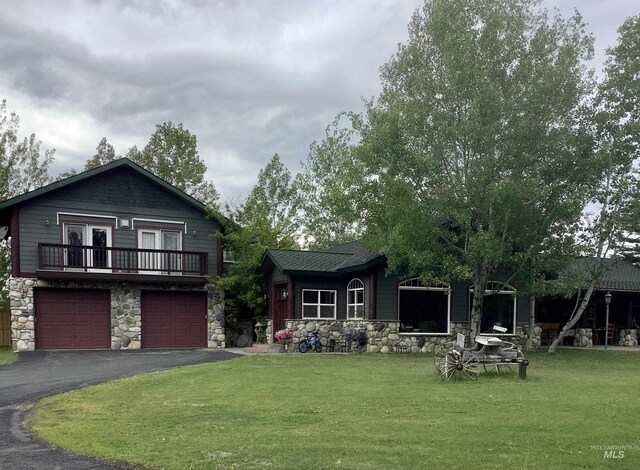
pixel 42 373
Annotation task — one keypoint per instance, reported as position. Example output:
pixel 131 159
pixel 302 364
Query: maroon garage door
pixel 174 319
pixel 73 319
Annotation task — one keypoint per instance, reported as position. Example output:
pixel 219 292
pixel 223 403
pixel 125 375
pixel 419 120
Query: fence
pixel 5 328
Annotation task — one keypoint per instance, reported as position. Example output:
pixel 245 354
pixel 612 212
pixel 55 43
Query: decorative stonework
pixel 215 318
pixel 583 338
pixel 126 317
pixel 384 336
pixel 126 313
pixel 628 337
pixel 23 331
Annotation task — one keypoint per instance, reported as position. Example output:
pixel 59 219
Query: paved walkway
pixel 38 374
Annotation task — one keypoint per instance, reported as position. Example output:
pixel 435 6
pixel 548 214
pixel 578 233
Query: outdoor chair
pixel 331 346
pixel 611 333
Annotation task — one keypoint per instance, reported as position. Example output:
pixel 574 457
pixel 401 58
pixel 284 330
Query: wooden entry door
pixel 280 305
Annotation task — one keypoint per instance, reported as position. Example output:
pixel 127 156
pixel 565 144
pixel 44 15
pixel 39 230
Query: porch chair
pixel 611 333
pixel 544 334
pixel 330 346
pixel 552 332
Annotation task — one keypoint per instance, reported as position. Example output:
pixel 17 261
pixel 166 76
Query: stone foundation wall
pixel 126 321
pixel 384 336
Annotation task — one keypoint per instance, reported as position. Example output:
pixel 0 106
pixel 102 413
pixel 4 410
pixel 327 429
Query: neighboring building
pixel 347 287
pixel 112 258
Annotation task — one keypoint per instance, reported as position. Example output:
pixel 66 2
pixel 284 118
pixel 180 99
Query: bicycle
pixel 310 343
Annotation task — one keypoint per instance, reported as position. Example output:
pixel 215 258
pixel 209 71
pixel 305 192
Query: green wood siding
pixel 386 295
pixel 121 193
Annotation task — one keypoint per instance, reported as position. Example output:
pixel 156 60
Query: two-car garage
pixel 81 319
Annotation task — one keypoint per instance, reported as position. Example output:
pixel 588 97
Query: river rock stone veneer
pixel 628 338
pixel 126 321
pixel 384 336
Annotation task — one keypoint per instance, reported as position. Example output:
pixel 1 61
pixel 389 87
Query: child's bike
pixel 311 343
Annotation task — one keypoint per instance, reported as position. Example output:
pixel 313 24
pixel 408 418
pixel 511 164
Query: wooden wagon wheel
pixel 438 357
pixel 453 364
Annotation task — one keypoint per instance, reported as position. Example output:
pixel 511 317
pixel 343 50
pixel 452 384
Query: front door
pixel 280 306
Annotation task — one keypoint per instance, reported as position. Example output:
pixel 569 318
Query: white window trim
pixel 93 216
pixel 356 304
pixel 416 284
pixel 319 304
pixel 510 290
pixel 158 221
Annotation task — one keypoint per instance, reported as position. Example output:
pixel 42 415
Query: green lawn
pixel 358 412
pixel 7 356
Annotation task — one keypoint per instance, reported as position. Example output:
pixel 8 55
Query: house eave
pixel 119 277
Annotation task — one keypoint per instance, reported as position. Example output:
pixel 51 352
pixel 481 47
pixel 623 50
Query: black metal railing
pixel 121 260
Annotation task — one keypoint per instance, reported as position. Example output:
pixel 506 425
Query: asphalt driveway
pixel 42 373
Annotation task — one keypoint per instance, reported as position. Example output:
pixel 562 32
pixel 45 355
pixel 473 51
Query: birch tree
pixel 617 135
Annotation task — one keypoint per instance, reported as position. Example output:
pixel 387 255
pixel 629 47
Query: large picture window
pixel 318 303
pixel 355 299
pixel 499 306
pixel 424 309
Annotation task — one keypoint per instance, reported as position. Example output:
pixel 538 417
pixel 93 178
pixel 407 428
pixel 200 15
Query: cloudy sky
pixel 250 78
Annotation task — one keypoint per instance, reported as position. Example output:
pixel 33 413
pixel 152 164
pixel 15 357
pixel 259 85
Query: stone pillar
pixel 628 337
pixel 269 332
pixel 126 317
pixel 23 333
pixel 583 338
pixel 215 319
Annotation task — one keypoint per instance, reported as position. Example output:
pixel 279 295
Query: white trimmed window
pixel 151 241
pixel 499 307
pixel 318 303
pixel 424 308
pixel 355 299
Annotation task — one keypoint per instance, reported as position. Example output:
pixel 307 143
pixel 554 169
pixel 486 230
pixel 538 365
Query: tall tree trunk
pixel 479 287
pixel 575 316
pixel 532 323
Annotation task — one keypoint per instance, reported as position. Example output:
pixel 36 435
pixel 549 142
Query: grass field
pixel 358 412
pixel 7 356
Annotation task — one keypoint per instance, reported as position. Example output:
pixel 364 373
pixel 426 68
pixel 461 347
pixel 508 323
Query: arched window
pixel 499 308
pixel 355 299
pixel 424 308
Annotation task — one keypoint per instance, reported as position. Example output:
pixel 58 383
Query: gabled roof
pixel 343 258
pixel 617 275
pixel 120 163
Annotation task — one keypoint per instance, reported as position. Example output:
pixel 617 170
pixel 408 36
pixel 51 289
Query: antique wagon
pixel 490 353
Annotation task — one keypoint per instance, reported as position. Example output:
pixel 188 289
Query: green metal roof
pixel 121 162
pixel 340 259
pixel 617 275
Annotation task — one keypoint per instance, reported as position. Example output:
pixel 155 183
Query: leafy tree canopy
pixel 263 221
pixel 23 167
pixel 325 201
pixel 476 154
pixel 172 155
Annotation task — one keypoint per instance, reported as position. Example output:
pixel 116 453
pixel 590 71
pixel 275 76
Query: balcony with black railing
pixel 112 260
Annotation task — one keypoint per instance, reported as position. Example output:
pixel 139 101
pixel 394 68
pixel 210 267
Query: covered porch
pixel 611 317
